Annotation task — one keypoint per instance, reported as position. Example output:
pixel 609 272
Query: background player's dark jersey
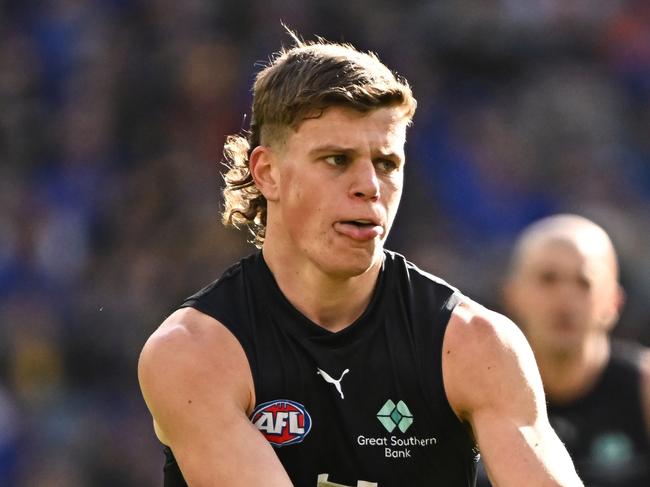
pixel 364 406
pixel 605 430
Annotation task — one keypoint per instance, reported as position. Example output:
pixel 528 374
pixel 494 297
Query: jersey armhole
pixel 444 317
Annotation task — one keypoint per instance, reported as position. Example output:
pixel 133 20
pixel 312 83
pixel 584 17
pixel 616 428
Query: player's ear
pixel 613 311
pixel 263 165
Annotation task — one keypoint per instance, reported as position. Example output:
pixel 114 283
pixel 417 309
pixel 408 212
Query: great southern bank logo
pixel 393 415
pixel 283 422
pixel 397 418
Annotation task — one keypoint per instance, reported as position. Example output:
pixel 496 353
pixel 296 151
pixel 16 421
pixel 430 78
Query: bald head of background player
pixel 563 290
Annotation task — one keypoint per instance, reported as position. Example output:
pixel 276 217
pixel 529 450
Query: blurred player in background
pixel 563 290
pixel 323 359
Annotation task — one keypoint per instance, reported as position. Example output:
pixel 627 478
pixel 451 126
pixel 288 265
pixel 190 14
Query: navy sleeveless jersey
pixel 605 430
pixel 364 406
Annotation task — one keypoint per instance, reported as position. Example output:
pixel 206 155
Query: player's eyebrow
pixel 387 155
pixel 340 149
pixel 333 148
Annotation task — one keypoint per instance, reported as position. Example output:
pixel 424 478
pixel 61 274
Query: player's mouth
pixel 564 322
pixel 361 229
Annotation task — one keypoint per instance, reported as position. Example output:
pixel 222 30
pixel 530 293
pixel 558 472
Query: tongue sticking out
pixel 359 231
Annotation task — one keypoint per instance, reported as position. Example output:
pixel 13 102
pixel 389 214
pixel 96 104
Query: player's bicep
pixel 492 381
pixel 197 384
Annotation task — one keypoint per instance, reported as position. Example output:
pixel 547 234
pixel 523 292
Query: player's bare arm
pixel 197 383
pixel 492 382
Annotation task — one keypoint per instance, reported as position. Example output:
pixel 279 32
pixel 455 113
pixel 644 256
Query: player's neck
pixel 331 302
pixel 567 377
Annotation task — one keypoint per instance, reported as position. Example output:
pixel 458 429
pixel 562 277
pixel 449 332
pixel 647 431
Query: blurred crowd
pixel 113 114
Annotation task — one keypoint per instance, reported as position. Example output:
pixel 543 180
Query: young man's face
pixel 561 295
pixel 341 178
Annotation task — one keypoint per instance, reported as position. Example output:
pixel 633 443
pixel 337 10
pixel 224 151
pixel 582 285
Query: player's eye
pixel 386 165
pixel 584 283
pixel 336 160
pixel 548 278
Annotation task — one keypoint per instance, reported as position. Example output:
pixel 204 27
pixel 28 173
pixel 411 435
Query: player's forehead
pixel 568 251
pixel 551 253
pixel 382 127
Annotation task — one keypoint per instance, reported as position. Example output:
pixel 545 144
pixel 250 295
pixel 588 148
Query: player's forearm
pixel 529 456
pixel 233 468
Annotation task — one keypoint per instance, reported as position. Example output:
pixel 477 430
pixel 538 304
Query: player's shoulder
pixel 189 346
pixel 192 358
pixel 631 360
pixel 186 329
pixel 644 365
pixel 644 368
pixel 484 353
pixel 479 329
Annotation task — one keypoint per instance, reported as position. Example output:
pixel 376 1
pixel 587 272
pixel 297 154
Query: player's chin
pixel 566 343
pixel 354 261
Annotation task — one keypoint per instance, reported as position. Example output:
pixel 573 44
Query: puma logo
pixel 337 383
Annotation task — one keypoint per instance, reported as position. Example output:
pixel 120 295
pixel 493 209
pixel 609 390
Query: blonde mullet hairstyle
pixel 244 204
pixel 301 83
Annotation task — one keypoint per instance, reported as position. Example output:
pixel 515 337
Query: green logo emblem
pixel 612 449
pixel 393 415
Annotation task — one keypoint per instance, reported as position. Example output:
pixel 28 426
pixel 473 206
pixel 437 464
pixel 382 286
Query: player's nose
pixel 365 183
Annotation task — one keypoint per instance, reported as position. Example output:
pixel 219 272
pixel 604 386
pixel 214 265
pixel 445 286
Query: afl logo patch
pixel 282 422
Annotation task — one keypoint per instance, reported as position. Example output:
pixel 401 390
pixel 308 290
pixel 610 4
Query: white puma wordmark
pixel 328 378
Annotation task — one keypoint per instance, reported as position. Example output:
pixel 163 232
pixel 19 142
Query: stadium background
pixel 112 118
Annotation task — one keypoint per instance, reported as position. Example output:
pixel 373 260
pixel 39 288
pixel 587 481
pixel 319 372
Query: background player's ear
pixel 263 167
pixel 612 311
